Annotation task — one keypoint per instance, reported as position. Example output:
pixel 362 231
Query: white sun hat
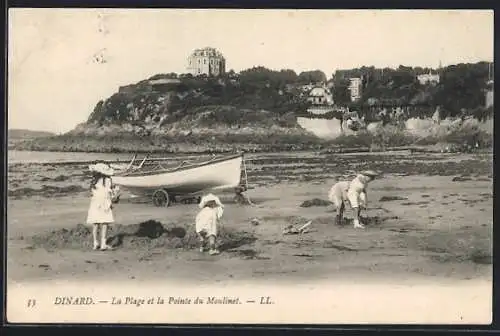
pixel 207 198
pixel 102 168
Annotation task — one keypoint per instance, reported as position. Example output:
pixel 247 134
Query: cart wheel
pixel 161 198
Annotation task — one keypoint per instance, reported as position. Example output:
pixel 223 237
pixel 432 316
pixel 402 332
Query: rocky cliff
pixel 161 106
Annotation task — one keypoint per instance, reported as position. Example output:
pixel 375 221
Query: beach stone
pixel 255 222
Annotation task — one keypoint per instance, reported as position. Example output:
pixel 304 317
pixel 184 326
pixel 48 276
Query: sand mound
pixel 78 237
pixel 143 236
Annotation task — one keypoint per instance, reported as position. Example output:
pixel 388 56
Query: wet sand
pixel 430 217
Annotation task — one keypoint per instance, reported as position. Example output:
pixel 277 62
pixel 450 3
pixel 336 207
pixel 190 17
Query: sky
pixel 56 75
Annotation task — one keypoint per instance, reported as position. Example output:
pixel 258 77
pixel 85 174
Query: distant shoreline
pixel 386 138
pixel 329 150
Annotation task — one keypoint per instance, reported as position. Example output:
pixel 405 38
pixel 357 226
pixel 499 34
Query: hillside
pixel 461 87
pixel 18 138
pixel 260 99
pixel 195 106
pixel 256 107
pixel 22 134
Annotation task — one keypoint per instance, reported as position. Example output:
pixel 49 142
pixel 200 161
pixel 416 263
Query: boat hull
pixel 221 174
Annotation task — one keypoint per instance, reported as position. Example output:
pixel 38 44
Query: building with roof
pixel 428 78
pixel 355 87
pixel 320 96
pixel 207 61
pixel 161 84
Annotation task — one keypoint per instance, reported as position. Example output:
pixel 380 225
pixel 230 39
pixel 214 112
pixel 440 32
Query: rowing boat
pixel 216 174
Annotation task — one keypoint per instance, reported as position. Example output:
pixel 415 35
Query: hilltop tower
pixel 207 61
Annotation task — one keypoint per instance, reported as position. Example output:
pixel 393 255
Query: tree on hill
pixel 341 93
pixel 462 86
pixel 261 76
pixel 314 76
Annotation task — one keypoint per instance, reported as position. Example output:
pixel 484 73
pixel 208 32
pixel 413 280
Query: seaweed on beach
pixel 315 202
pixel 392 198
pixel 461 179
pixel 46 191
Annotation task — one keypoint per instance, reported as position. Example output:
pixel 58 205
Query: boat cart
pixel 162 198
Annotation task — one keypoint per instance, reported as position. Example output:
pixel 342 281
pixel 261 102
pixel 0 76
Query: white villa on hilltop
pixel 320 95
pixel 207 61
pixel 321 100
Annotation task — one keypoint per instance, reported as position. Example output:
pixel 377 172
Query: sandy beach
pixel 429 220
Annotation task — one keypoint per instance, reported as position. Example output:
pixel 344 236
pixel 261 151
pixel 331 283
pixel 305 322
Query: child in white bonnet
pixel 207 221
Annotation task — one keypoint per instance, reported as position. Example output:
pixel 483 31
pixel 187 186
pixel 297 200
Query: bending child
pixel 353 192
pixel 207 221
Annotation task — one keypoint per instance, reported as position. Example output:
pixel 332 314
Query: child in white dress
pixel 353 192
pixel 100 213
pixel 207 221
